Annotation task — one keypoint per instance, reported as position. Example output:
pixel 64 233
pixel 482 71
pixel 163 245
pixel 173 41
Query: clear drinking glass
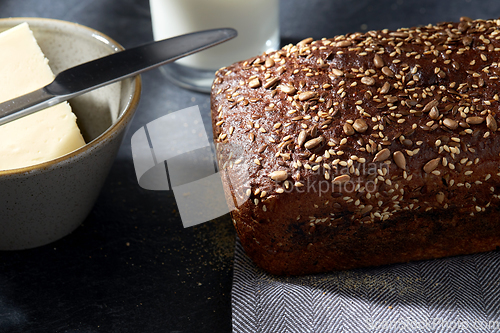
pixel 257 23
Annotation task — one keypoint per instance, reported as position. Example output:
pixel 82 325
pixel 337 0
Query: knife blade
pixel 109 69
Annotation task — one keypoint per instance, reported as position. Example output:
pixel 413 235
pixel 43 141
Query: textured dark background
pixel 131 267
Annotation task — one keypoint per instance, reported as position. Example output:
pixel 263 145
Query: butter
pixel 42 136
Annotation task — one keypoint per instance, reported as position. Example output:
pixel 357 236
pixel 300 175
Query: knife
pixel 112 68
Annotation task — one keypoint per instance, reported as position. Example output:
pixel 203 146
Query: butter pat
pixel 42 136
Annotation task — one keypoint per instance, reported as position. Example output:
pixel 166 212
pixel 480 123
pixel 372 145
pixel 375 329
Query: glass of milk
pixel 257 23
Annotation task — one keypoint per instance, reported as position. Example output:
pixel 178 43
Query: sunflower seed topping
pixel 450 123
pixel 271 82
pixel 382 155
pixel 302 138
pixel 306 95
pixel 344 43
pixel 399 159
pixel 348 129
pixel 491 123
pixel 378 62
pixel 279 175
pixel 474 120
pixel 269 62
pixel 254 83
pixel 337 72
pixel 387 71
pixel 341 179
pixel 369 81
pixel 432 165
pixel 311 144
pixel 360 125
pixel 288 89
pixel 385 88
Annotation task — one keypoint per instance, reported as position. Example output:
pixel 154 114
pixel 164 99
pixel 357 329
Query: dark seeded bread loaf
pixel 364 149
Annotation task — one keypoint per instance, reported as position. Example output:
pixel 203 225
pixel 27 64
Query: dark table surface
pixel 131 266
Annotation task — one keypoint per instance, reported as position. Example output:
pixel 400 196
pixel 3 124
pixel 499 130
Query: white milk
pixel 257 23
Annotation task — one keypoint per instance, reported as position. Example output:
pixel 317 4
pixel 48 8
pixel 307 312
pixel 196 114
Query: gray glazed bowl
pixel 43 203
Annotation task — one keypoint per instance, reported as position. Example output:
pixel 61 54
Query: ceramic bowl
pixel 45 202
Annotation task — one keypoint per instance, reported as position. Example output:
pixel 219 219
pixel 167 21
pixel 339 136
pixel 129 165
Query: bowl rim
pixel 121 121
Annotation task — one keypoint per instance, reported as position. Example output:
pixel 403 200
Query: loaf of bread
pixel 364 149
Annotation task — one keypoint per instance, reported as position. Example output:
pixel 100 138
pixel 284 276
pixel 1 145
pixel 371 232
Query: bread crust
pixel 364 149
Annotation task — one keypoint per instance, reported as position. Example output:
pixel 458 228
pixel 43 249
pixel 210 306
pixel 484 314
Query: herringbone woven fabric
pixel 459 294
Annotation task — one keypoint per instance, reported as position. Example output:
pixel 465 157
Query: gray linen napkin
pixel 459 294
